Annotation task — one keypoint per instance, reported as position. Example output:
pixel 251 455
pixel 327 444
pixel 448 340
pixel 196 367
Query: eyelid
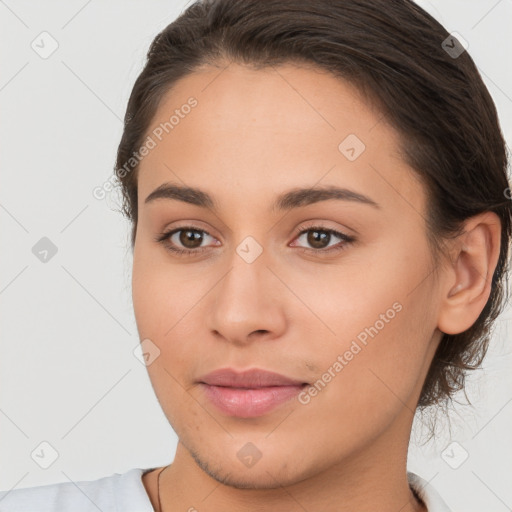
pixel 345 238
pixel 167 234
pixel 321 226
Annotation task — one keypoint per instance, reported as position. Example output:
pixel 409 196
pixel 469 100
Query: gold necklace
pixel 158 487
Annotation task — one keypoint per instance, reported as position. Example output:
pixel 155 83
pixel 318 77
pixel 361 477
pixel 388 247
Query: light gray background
pixel 68 375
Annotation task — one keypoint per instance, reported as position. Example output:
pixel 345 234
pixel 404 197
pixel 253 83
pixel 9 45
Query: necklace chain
pixel 158 493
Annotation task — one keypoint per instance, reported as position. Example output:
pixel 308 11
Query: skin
pixel 253 135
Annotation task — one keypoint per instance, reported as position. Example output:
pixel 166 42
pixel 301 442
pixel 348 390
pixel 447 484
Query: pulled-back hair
pixel 404 62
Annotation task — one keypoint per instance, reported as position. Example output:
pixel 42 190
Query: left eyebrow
pixel 305 196
pixel 292 199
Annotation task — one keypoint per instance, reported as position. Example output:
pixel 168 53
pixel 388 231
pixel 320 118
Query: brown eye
pixel 190 238
pixel 186 240
pixel 319 240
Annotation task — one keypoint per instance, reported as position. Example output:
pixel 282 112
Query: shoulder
pixel 110 493
pixel 428 494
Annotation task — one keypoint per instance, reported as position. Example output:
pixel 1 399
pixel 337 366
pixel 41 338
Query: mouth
pixel 249 394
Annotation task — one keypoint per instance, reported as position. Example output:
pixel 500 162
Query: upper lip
pixel 254 378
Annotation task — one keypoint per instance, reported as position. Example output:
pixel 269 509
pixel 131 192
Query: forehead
pixel 270 128
pixel 302 101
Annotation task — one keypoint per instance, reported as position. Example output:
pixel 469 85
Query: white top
pixel 126 493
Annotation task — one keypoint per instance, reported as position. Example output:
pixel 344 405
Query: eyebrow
pixel 294 198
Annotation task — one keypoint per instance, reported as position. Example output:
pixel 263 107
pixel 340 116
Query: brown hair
pixel 401 58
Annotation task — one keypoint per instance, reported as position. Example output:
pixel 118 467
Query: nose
pixel 248 303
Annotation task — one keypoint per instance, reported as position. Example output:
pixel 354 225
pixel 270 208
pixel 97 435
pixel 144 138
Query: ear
pixel 468 279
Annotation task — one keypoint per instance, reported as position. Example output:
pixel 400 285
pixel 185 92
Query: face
pixel 332 290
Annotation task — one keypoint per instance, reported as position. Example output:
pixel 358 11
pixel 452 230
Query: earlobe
pixel 470 275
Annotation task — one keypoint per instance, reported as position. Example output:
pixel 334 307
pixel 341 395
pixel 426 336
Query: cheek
pixel 366 381
pixel 160 313
pixel 373 326
pixel 161 292
pixel 165 299
pixel 365 289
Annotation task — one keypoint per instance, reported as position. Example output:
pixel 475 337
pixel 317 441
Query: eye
pixel 184 240
pixel 320 238
pixel 188 240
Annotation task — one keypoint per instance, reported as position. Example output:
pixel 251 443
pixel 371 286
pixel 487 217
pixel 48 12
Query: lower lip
pixel 249 403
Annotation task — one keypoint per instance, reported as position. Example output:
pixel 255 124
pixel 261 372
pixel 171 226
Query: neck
pixel 373 479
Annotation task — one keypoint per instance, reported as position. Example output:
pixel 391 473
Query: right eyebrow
pixel 189 195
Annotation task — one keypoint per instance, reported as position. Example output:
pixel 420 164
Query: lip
pixel 250 393
pixel 253 378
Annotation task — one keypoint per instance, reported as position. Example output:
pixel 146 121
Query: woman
pixel 317 191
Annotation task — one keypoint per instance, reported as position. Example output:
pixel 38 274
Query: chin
pixel 268 474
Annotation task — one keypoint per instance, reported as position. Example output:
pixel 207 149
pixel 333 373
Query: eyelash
pixel 346 240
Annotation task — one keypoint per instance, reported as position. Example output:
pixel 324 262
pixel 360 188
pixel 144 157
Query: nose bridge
pixel 245 300
pixel 244 288
pixel 248 273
